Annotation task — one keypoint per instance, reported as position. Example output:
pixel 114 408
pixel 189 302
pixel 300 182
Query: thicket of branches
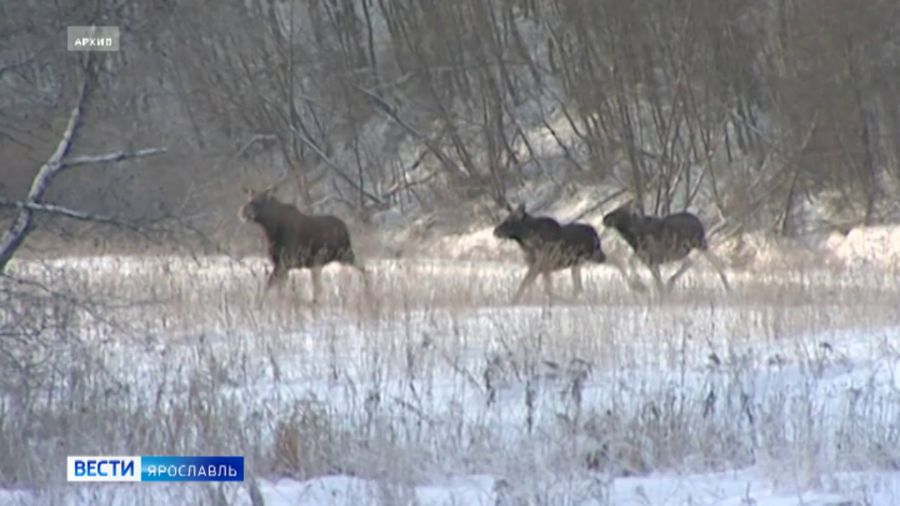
pixel 761 111
pixel 758 108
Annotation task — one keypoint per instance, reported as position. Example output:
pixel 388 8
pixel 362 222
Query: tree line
pixel 763 111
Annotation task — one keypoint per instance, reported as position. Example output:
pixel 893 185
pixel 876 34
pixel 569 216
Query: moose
pixel 656 240
pixel 295 240
pixel 550 246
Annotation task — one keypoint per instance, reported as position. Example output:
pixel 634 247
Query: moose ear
pixel 519 212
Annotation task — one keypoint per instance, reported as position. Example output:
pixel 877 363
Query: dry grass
pixel 438 373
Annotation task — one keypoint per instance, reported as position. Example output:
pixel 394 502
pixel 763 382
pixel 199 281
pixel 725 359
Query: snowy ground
pixel 436 391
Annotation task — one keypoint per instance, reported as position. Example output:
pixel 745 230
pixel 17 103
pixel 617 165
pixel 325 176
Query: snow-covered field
pixel 433 389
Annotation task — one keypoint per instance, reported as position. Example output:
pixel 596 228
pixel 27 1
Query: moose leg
pixel 684 267
pixel 576 279
pixel 365 277
pixel 526 282
pixel 634 263
pixel 717 264
pixel 548 283
pixel 277 276
pixel 350 259
pixel 633 283
pixel 654 269
pixel 316 274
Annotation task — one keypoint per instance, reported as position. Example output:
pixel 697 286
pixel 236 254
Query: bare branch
pixel 337 169
pixel 14 237
pixel 613 196
pixel 406 184
pixel 111 157
pixel 68 213
pixel 253 140
pixel 391 111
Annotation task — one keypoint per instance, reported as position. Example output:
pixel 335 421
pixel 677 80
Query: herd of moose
pixel 295 240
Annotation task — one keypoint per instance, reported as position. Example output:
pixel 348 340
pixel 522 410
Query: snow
pixel 739 488
pixel 876 247
pixel 799 384
pixel 327 490
pixel 869 246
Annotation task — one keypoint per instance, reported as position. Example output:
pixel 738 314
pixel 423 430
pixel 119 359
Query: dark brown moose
pixel 549 247
pixel 656 240
pixel 296 240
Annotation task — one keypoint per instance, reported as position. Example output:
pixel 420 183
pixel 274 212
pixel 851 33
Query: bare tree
pixel 57 163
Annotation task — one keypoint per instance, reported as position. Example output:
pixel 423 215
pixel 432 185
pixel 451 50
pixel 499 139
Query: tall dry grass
pixel 435 373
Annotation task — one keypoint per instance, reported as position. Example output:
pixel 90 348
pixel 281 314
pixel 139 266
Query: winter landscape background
pixel 130 320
